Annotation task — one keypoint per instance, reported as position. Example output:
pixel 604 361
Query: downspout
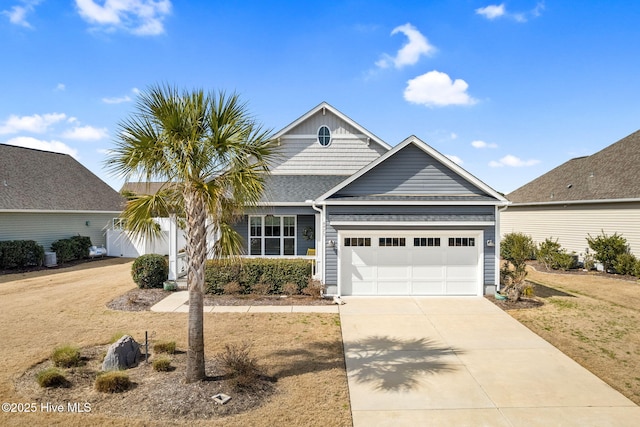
pixel 498 239
pixel 322 242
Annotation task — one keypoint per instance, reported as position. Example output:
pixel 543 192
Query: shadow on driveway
pixel 391 364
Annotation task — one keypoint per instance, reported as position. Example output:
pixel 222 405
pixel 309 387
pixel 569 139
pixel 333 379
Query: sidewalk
pixel 176 303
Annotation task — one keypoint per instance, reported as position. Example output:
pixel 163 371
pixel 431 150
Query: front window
pixel 272 235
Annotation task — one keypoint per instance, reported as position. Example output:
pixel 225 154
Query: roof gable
pixel 42 180
pixel 351 147
pixel 610 174
pixel 413 170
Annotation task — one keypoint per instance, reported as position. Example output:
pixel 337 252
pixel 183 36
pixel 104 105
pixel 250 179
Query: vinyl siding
pixel 409 172
pixel 45 228
pixel 301 154
pixel 572 224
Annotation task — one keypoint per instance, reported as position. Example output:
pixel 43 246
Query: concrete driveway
pixel 465 362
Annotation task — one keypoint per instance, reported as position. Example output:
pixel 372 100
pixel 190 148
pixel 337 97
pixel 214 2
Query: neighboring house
pixel 586 195
pixel 47 196
pixel 374 220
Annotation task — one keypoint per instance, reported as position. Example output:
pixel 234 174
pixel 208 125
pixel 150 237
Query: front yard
pixel 595 320
pixel 42 310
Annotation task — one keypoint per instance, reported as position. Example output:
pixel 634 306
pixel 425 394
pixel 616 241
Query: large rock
pixel 122 354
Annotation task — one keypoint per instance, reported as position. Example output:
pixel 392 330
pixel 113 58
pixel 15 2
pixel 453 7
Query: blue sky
pixel 509 90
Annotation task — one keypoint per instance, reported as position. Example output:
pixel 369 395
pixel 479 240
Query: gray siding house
pixel 585 195
pixel 375 219
pixel 47 196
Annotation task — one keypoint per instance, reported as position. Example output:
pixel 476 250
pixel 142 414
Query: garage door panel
pixel 410 270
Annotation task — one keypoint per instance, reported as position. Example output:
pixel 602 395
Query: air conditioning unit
pixel 50 259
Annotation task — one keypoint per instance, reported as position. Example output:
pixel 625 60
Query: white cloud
pixel 455 159
pixel 512 161
pixel 410 53
pixel 482 144
pixel 60 87
pixel 86 133
pixel 116 100
pixel 492 11
pixel 18 14
pixel 140 17
pixel 436 89
pixel 121 99
pixel 38 144
pixel 495 11
pixel 453 135
pixel 35 124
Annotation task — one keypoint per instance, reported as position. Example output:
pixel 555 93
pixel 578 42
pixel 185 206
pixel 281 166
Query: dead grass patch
pixel 302 351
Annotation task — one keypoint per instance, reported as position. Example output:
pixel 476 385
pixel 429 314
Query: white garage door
pixel 418 263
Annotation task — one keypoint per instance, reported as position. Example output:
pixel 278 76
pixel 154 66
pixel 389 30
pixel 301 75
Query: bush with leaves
pixel 625 264
pixel 20 253
pixel 150 271
pixel 516 248
pixel 73 248
pixel 553 257
pixel 608 248
pixel 262 275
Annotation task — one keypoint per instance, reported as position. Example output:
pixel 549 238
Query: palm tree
pixel 213 157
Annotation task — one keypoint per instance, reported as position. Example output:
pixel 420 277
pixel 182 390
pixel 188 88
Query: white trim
pixel 428 150
pixel 413 223
pixel 56 211
pixel 318 136
pixel 263 237
pixel 577 202
pixel 271 204
pixel 411 202
pixel 325 106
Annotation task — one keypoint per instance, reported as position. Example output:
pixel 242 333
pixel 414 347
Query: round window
pixel 324 136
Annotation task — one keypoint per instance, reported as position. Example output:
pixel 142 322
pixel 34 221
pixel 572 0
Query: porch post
pixel 173 248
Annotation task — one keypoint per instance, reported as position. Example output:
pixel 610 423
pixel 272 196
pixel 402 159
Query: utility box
pixel 50 259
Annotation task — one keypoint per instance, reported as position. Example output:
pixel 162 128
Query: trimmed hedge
pixel 249 272
pixel 20 253
pixel 73 248
pixel 150 271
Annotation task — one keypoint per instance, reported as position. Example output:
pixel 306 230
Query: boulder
pixel 122 354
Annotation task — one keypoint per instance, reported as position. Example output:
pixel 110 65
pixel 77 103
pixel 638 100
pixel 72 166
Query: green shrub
pixel 552 256
pixel 636 269
pixel 165 347
pixel 150 271
pixel 66 356
pixel 608 248
pixel 20 254
pixel 251 272
pixel 113 382
pixel 239 367
pixel 517 248
pixel 51 377
pixel 73 248
pixel 162 364
pixel 625 264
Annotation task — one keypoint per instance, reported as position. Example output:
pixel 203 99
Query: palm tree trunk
pixel 196 217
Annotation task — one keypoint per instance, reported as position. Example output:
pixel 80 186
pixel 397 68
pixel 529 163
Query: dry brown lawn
pixel 45 309
pixel 595 320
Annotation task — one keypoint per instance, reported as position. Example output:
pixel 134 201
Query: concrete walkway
pixel 176 303
pixel 465 362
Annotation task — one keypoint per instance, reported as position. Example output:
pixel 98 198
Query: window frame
pixel 283 230
pixel 318 136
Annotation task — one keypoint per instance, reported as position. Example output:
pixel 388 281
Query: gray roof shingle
pixel 298 188
pixel 612 173
pixel 41 180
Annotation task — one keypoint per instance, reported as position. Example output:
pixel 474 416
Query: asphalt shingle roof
pixel 42 180
pixel 612 173
pixel 298 188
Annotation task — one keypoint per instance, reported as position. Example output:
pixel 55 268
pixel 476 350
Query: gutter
pixel 577 202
